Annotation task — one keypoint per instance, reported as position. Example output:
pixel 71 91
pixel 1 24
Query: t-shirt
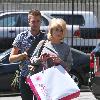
pixel 24 41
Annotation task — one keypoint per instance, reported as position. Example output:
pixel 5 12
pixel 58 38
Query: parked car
pixel 86 37
pixel 85 19
pixel 79 71
pixel 7 71
pixel 95 70
pixel 12 23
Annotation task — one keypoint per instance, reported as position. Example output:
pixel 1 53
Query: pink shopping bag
pixel 53 84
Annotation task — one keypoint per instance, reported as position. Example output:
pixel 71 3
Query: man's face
pixel 34 22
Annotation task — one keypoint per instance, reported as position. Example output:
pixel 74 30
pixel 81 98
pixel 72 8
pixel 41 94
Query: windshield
pixel 5 53
pixel 49 16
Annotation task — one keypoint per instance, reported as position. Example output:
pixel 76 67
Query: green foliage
pixel 15 81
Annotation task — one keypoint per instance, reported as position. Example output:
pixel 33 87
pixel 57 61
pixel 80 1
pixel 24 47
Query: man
pixel 23 45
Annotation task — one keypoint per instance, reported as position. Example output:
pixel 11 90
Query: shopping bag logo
pixel 38 78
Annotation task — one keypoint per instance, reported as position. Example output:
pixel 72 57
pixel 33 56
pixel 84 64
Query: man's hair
pixel 34 12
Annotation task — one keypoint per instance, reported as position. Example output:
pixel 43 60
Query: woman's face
pixel 58 33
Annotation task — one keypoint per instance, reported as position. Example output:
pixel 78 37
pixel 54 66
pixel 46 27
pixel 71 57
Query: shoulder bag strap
pixel 34 44
pixel 41 48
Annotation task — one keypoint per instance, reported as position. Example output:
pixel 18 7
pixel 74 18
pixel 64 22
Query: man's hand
pixel 24 56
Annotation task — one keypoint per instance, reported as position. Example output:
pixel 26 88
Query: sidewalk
pixel 83 96
pixel 86 96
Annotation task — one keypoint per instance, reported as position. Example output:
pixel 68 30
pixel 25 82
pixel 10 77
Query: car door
pixel 7 71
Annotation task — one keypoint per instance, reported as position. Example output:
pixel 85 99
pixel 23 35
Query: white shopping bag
pixel 53 84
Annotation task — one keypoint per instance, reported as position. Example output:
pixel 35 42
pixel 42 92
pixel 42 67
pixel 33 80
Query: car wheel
pixel 76 78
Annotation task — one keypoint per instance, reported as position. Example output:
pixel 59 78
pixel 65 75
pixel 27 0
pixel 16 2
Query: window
pixel 44 22
pixel 77 19
pixel 9 20
pixel 24 20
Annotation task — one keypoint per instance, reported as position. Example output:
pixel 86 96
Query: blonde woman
pixel 54 51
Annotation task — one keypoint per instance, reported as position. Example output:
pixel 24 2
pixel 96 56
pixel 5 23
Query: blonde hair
pixel 55 23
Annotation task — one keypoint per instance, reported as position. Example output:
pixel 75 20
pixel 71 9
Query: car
pixel 7 71
pixel 85 19
pixel 94 79
pixel 86 37
pixel 79 71
pixel 80 68
pixel 12 23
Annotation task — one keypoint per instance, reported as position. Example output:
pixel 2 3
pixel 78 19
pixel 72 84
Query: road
pixel 85 94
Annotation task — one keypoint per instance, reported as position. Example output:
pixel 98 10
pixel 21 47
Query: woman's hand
pixel 56 60
pixel 44 57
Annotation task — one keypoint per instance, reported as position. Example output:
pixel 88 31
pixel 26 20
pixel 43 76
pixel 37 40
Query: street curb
pixel 9 94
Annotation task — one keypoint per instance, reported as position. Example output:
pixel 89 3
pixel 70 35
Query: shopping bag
pixel 53 84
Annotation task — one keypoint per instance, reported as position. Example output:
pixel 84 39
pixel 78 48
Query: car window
pixel 24 20
pixel 9 20
pixel 77 19
pixel 44 22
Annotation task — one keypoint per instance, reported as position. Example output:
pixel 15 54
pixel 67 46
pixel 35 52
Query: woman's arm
pixel 68 60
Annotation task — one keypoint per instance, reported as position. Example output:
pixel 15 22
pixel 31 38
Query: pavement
pixel 86 96
pixel 83 96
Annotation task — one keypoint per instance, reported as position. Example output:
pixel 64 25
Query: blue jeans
pixel 26 93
